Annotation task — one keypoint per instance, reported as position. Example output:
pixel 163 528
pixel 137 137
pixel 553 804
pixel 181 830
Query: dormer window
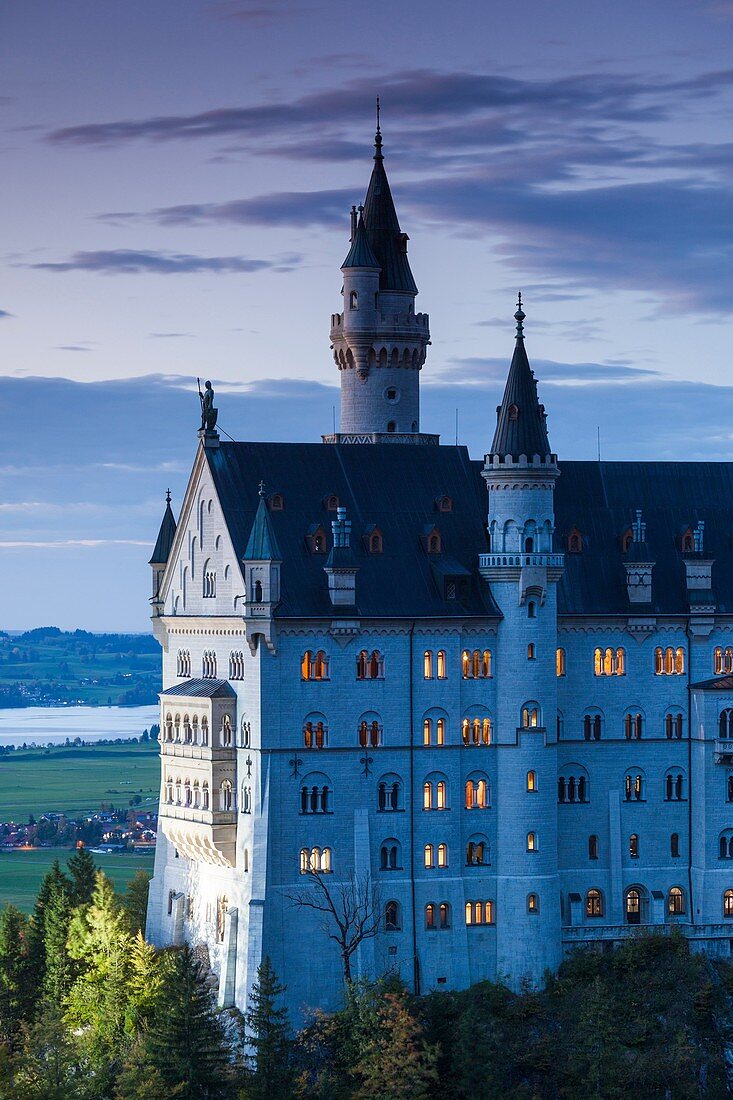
pixel 575 541
pixel 375 542
pixel 445 504
pixel 277 502
pixel 353 300
pixel 626 540
pixel 434 544
pixel 514 412
pixel 332 502
pixel 687 541
pixel 317 541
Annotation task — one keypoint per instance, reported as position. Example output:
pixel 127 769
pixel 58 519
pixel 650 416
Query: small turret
pixel 262 560
pixel 161 553
pixel 340 567
pixel 521 421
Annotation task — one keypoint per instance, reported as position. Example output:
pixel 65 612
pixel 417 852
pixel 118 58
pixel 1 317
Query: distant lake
pixel 52 725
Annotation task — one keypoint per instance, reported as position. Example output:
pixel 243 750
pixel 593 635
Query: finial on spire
pixel 167 496
pixel 262 488
pixel 519 317
pixel 378 135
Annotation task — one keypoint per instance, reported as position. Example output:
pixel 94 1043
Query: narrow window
pixel 634 846
pixel 594 904
pixel 427 731
pixel 593 846
pixel 430 915
pixel 531 781
pixel 560 662
pixel 442 855
pixel 353 300
pixel 674 845
pixel 392 916
pixel 530 652
pixel 531 842
pixel 533 903
pixel 427 662
pixel 440 724
pixel 429 856
pixel 676 902
pixel 441 664
pixel 728 904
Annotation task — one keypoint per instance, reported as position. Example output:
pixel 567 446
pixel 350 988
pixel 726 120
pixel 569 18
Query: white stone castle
pixel 494 696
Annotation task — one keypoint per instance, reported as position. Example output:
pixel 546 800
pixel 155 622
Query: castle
pixel 488 702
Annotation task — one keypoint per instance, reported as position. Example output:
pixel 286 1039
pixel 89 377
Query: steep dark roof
pixel 166 534
pixel 262 544
pixel 360 253
pixel 718 683
pixel 521 427
pixel 387 242
pixel 395 486
pixel 600 499
pixel 391 486
pixel 202 689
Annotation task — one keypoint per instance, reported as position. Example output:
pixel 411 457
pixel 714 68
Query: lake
pixel 52 725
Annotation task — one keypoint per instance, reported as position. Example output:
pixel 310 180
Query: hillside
pixel 47 666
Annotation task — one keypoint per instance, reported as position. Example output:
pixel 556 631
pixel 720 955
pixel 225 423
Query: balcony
pixel 207 836
pixel 519 560
pixel 723 750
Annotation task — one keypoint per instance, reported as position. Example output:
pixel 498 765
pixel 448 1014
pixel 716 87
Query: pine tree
pixel 58 966
pixel 185 1044
pixel 398 1064
pixel 135 901
pixel 83 870
pixel 47 1066
pixel 16 991
pixel 145 984
pixel 268 1034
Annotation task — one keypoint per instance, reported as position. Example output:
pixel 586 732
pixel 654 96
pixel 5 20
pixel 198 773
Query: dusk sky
pixel 177 177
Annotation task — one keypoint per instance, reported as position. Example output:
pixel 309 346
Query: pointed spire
pixel 262 544
pixel 360 253
pixel 166 534
pixel 520 425
pixel 387 241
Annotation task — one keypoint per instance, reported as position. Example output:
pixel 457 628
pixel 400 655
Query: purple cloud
pixel 131 262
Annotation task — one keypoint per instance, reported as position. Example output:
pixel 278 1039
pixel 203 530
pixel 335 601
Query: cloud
pixel 131 262
pixel 475 371
pixel 4 313
pixel 71 347
pixel 60 544
pixel 319 208
pixel 170 335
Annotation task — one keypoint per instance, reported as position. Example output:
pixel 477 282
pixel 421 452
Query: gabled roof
pixel 166 534
pixel 202 689
pixel 262 544
pixel 521 427
pixel 386 241
pixel 360 253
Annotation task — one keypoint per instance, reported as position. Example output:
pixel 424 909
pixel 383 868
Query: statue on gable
pixel 208 412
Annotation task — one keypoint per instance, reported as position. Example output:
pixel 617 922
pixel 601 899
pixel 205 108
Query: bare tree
pixel 352 912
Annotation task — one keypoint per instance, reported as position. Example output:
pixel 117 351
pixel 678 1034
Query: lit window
pixel 429 856
pixel 430 915
pixel 676 902
pixel 532 781
pixel 427 664
pixel 440 725
pixel 728 903
pixel 533 903
pixel 609 662
pixel 530 716
pixel 594 903
pixel 634 846
pixel 441 795
pixel 442 855
pixel 530 652
pixel 532 845
pixel 559 662
pixel 441 664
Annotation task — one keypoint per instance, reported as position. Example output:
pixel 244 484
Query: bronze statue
pixel 208 412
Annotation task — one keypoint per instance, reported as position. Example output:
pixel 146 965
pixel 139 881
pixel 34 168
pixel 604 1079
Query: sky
pixel 177 177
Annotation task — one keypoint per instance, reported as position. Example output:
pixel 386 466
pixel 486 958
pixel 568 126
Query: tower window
pixel 593 846
pixel 533 903
pixel 353 300
pixel 391 426
pixel 530 652
pixel 560 662
pixel 391 394
pixel 514 412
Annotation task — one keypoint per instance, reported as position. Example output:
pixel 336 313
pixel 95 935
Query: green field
pixel 21 871
pixel 77 780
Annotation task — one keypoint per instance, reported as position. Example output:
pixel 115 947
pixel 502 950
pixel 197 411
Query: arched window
pixel 479 912
pixel 390 855
pixel 476 664
pixel 530 652
pixel 314 666
pixel 441 665
pixel 169 727
pixel 633 846
pixel 209 583
pixel 533 903
pixel 369 666
pixel 676 902
pixel 593 846
pixel 187 730
pixel 723 660
pixel 392 917
pixel 633 725
pixel 316 794
pixel 236 665
pixel 427 731
pixel 573 784
pixel 315 732
pixel 205 801
pixel 674 845
pixel 609 662
pixel 427 664
pixel 376 544
pixel 559 662
pixel 728 904
pixel 442 855
pixel 353 300
pixel 226 798
pixel 635 905
pixel 222 908
pixel 531 610
pixel 532 844
pixel 674 785
pixel 594 903
pixel 369 731
pixel 187 798
pixel 208 665
pixel 532 781
pixel 183 663
pixel 477 851
pixel 429 856
pixel 725 845
pixel 634 786
pixel 178 792
pixel 204 730
pixel 196 795
pixel 725 724
pixel 530 716
pixel 444 915
pixel 440 731
pixel 169 790
pixel 246 799
pixel 226 732
pixel 430 921
pixel 477 792
pixel 389 794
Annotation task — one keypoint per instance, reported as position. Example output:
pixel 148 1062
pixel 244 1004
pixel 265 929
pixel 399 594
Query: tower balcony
pixel 203 836
pixel 723 750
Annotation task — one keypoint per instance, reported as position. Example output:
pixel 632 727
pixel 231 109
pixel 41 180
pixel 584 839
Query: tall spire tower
pixel 379 342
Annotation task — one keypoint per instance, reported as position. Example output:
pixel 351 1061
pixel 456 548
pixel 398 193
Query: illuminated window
pixel 530 652
pixel 594 903
pixel 430 916
pixel 559 662
pixel 669 661
pixel 477 793
pixel 532 845
pixel 531 781
pixel 441 664
pixel 476 731
pixel 427 664
pixel 427 731
pixel 479 912
pixel 476 664
pixel 533 903
pixel 530 716
pixel 429 855
pixel 633 846
pixel 723 660
pixel 440 727
pixel 314 666
pixel 442 855
pixel 314 733
pixel 609 662
pixel 676 902
pixel 728 903
pixel 369 733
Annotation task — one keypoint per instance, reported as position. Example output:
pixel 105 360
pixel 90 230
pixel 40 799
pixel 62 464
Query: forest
pixel 90 1011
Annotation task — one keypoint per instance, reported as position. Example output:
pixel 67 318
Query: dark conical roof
pixel 262 544
pixel 360 253
pixel 386 240
pixel 520 426
pixel 166 534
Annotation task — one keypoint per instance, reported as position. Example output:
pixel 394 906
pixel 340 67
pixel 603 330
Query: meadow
pixel 21 871
pixel 77 780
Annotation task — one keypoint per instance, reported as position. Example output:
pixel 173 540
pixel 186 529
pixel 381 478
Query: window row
pixel 636 901
pixel 674 846
pixel 476 730
pixel 195 795
pixel 209 665
pixel 438 915
pixel 669 661
pixel 722 660
pixel 634 725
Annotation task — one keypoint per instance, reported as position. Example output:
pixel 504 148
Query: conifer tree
pixel 144 985
pixel 268 1034
pixel 185 1046
pixel 58 964
pixel 53 881
pixel 47 1067
pixel 83 870
pixel 135 901
pixel 397 1064
pixel 16 991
